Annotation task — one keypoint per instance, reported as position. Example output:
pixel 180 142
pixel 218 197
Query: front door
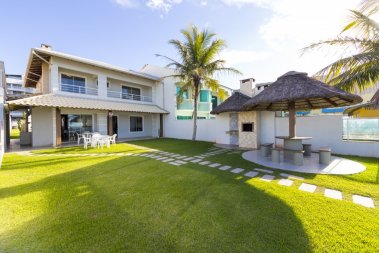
pixel 115 124
pixel 64 128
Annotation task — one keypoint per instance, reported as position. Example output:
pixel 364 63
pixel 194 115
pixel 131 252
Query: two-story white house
pixel 78 94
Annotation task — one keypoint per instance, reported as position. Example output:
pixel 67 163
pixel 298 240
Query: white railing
pixel 77 89
pixel 117 94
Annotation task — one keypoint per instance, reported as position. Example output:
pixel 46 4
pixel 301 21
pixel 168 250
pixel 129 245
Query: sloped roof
pixel 55 100
pixel 373 104
pixel 39 55
pixel 233 103
pixel 304 91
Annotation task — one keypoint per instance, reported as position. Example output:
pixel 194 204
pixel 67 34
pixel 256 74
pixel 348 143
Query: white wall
pixel 124 125
pixel 325 130
pixel 42 127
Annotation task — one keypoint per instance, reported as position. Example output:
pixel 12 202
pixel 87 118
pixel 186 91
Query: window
pixel 185 93
pixel 214 102
pixel 73 84
pixel 131 93
pixel 247 127
pixel 136 124
pixel 204 96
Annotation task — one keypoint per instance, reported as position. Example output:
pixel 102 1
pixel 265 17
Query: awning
pixel 55 100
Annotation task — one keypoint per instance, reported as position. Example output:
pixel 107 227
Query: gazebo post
pixel 292 119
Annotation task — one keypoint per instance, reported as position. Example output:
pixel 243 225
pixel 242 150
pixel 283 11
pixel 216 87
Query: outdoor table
pixel 292 143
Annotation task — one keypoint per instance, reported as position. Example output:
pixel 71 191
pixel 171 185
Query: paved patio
pixel 338 165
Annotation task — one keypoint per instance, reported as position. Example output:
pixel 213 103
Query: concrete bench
pixel 297 156
pixel 325 155
pixel 307 149
pixel 266 149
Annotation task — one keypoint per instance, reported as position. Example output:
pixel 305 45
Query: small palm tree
pixel 197 64
pixel 361 69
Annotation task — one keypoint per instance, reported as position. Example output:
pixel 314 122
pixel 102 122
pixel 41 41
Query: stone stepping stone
pixel 189 158
pixel 196 160
pixel 307 187
pixel 237 170
pixel 334 194
pixel 199 156
pixel 225 167
pixel 363 201
pixel 182 157
pixel 176 155
pixel 291 176
pixel 162 158
pixel 214 165
pixel 264 170
pixel 181 162
pixel 205 163
pixel 285 182
pixel 174 163
pixel 168 160
pixel 267 178
pixel 251 174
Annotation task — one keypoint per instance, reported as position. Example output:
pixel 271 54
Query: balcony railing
pixel 77 89
pixel 187 104
pixel 117 94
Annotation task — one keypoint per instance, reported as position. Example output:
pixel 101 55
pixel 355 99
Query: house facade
pixel 75 95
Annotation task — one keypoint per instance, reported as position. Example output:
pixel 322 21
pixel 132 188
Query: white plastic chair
pixel 95 140
pixel 112 139
pixel 86 141
pixel 80 137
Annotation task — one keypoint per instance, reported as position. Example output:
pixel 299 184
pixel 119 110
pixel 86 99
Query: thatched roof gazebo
pixel 234 103
pixel 368 109
pixel 296 91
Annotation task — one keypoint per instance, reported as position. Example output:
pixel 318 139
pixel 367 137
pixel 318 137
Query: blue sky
pixel 263 36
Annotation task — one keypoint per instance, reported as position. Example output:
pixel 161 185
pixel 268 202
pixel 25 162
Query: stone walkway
pixel 285 179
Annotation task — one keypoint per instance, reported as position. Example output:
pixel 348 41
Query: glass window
pixel 131 93
pixel 73 84
pixel 185 93
pixel 214 102
pixel 136 124
pixel 204 96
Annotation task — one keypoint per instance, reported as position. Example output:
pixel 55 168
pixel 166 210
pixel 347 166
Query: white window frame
pixel 75 75
pixel 143 123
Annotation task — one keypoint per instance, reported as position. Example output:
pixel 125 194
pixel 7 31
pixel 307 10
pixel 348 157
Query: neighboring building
pixel 208 99
pixel 15 89
pixel 80 95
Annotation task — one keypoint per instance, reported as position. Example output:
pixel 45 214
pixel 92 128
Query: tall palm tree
pixel 198 64
pixel 362 68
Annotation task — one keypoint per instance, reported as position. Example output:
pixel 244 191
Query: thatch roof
pixel 304 91
pixel 373 104
pixel 233 103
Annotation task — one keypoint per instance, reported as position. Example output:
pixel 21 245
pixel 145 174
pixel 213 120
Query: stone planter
pixel 25 138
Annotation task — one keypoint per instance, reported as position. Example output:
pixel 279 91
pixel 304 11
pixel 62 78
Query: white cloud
pixel 127 3
pixel 235 57
pixel 163 5
pixel 240 3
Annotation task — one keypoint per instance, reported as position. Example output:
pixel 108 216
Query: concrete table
pixel 292 143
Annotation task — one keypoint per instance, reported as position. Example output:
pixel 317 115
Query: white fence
pixel 325 130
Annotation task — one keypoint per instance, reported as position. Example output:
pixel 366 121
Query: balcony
pixel 77 89
pixel 120 95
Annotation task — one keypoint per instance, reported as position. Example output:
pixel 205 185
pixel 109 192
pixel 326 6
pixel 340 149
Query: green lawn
pixel 15 134
pixel 136 204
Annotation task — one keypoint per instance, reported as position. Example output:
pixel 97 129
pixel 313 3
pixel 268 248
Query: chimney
pixel 246 86
pixel 46 46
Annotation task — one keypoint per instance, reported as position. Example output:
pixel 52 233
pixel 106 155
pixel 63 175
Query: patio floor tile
pixel 363 201
pixel 251 174
pixel 237 170
pixel 307 187
pixel 285 182
pixel 267 178
pixel 334 194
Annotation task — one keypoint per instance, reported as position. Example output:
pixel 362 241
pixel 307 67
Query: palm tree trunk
pixel 195 111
